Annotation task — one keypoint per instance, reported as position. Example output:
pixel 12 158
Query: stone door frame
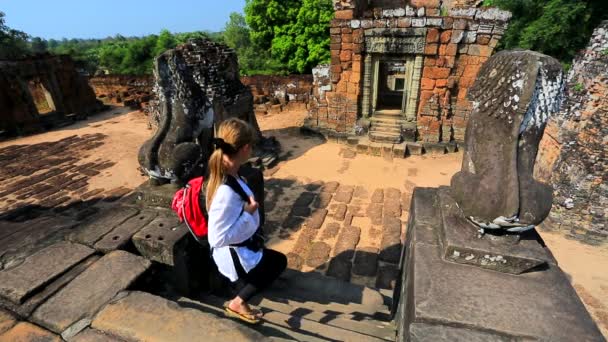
pixel 393 44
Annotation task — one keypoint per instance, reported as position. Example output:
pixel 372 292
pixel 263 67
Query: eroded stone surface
pixel 145 317
pixel 7 321
pixel 161 239
pixel 91 290
pixel 322 200
pixel 508 83
pixel 19 282
pixel 25 331
pixel 347 241
pixel 121 235
pixel 315 221
pixel 318 254
pixel 421 332
pixel 99 225
pixel 93 335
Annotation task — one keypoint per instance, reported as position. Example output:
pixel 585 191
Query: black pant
pixel 269 268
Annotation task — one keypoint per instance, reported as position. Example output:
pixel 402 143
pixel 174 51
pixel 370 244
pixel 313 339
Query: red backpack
pixel 186 204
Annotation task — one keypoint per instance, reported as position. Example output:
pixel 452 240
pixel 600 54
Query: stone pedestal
pixel 442 297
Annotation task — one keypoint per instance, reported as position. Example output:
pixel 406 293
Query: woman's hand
pixel 252 206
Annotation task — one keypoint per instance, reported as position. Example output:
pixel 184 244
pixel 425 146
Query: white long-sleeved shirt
pixel 229 224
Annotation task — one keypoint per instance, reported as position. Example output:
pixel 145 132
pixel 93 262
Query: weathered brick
pixel 344 14
pixel 432 35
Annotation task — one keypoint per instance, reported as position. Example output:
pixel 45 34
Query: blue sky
pixel 101 18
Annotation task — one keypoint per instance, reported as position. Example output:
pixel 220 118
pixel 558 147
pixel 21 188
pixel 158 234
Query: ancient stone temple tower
pixel 402 69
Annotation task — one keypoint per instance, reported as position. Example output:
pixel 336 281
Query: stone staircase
pixel 386 127
pixel 313 307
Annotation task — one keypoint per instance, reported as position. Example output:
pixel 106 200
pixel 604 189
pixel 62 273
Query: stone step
pixel 142 316
pixel 386 119
pixel 385 137
pixel 316 287
pixel 293 326
pixel 79 300
pixel 396 130
pixel 17 283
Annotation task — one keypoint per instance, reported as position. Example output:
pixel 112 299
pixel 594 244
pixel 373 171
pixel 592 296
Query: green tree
pixel 252 58
pixel 266 16
pixel 295 31
pixel 165 42
pixel 304 43
pixel 38 45
pixel 559 28
pixel 13 43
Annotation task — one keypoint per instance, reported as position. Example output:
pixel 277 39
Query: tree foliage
pixel 253 60
pixel 559 28
pixel 13 43
pixel 295 31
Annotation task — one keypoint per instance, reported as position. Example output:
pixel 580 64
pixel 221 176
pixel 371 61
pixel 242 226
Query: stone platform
pixel 441 299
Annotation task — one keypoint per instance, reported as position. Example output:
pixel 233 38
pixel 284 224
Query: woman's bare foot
pixel 238 305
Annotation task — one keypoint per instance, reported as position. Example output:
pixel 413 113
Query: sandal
pixel 250 318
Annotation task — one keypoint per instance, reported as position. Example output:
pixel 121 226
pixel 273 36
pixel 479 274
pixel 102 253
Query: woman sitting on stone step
pixel 234 222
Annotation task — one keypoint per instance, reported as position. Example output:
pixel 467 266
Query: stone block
pixel 299 211
pixel 25 331
pixel 26 308
pixel 155 196
pixel 91 290
pixel 338 211
pixel 318 254
pixel 161 239
pixel 322 200
pixel 391 194
pixel 340 268
pixel 344 14
pixel 7 321
pixel 508 254
pixel 167 321
pixel 293 223
pixel 17 283
pixel 431 49
pixel 423 332
pixel 539 305
pixel 99 225
pixel 330 187
pixel 446 36
pixel 432 36
pixel 93 335
pixel 374 212
pixel 418 22
pixel 121 235
pixel 378 196
pixel 346 243
pixel 315 221
pixel 434 148
pixel 414 149
pixel 343 196
pixel 330 231
pixel 366 261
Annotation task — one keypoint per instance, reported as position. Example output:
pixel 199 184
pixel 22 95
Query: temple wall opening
pixel 401 70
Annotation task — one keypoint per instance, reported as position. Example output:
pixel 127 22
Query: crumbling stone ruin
pixel 274 94
pixel 131 91
pixel 41 92
pixel 574 147
pixel 402 69
pixel 512 100
pixel 198 87
pixel 461 283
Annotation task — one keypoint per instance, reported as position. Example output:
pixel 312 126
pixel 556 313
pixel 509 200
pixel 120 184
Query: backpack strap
pixel 236 187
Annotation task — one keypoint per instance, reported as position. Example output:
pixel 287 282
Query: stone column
pixel 410 113
pixel 367 89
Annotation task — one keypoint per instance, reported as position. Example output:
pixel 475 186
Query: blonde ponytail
pixel 216 174
pixel 236 133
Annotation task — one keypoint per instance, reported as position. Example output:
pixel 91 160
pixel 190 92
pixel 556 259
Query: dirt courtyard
pixel 98 157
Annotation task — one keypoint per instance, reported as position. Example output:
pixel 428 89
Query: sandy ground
pixel 309 159
pixel 126 131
